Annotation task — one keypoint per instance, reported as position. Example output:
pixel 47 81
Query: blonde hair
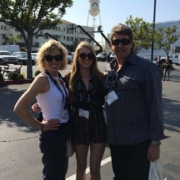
pixel 76 67
pixel 46 48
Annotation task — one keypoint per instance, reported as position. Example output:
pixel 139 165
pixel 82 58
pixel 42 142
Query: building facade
pixel 62 32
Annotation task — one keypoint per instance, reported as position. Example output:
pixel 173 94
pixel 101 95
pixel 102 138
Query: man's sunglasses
pixel 50 58
pixel 84 55
pixel 124 41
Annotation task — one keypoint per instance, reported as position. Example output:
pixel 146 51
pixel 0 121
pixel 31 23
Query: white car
pixel 70 57
pixel 175 59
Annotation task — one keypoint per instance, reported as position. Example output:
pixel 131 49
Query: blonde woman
pixel 86 99
pixel 51 93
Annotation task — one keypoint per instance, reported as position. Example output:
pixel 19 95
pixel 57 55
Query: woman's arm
pixel 39 85
pixel 21 107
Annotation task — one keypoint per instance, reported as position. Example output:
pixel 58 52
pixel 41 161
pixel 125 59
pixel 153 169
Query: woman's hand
pixel 36 108
pixel 52 124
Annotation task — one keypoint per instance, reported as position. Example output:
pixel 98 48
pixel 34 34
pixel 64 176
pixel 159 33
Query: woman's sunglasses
pixel 83 56
pixel 50 58
pixel 124 41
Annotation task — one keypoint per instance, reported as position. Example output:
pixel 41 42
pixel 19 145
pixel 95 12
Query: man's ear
pixel 110 44
pixel 132 45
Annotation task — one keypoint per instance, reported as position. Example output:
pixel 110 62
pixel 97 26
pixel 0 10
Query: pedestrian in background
pixel 167 69
pixel 133 90
pixel 51 93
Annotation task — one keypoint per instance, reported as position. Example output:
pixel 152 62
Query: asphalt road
pixel 20 158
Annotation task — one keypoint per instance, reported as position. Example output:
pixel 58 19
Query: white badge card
pixel 84 113
pixel 111 97
pixel 64 114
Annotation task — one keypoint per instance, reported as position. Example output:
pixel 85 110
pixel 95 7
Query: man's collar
pixel 131 58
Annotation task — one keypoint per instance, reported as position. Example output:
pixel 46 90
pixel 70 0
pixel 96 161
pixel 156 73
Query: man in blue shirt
pixel 133 89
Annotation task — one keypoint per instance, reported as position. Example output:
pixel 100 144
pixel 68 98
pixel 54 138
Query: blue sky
pixel 113 12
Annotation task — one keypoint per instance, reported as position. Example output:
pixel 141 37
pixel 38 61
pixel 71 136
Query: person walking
pixel 86 95
pixel 51 93
pixel 167 69
pixel 133 90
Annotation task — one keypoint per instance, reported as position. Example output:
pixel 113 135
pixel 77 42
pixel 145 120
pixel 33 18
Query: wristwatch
pixel 157 143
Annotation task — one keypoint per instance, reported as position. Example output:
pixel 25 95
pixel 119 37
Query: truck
pixel 7 58
pixel 10 48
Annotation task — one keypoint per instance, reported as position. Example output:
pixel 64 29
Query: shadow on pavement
pixel 171 114
pixel 8 98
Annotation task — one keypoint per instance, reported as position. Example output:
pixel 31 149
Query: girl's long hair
pixel 76 68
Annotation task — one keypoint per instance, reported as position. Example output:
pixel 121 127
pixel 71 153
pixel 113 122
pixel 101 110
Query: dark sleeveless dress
pixel 92 130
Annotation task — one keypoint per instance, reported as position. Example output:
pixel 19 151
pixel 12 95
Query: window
pixel 3 36
pixel 36 44
pixel 4 27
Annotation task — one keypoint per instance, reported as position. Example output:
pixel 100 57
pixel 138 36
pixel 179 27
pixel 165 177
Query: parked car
pixel 22 59
pixel 70 57
pixel 18 53
pixel 112 56
pixel 103 56
pixel 6 57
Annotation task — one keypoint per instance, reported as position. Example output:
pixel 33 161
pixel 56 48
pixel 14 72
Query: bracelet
pixel 42 126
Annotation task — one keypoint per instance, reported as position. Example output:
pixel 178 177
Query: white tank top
pixel 51 102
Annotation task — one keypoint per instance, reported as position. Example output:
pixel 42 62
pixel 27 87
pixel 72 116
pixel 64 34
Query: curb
pixel 10 82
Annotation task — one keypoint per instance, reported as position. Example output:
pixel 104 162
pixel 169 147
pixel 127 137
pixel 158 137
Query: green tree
pixel 165 37
pixel 75 44
pixel 142 33
pixel 29 17
pixel 13 39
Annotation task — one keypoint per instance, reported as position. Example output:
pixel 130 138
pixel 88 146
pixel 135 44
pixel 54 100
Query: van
pixel 175 58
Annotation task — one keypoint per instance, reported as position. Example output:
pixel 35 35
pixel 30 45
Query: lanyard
pixel 65 100
pixel 112 78
pixel 80 91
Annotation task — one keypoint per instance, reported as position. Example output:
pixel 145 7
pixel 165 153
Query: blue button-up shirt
pixel 137 114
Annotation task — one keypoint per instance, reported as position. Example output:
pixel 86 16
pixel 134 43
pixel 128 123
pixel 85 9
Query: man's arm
pixel 153 95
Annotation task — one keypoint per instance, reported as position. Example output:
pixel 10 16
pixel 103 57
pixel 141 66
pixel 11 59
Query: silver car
pixel 7 58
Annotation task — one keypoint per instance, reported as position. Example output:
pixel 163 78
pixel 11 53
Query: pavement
pixel 20 158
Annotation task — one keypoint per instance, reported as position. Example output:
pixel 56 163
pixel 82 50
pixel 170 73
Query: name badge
pixel 64 114
pixel 84 113
pixel 111 97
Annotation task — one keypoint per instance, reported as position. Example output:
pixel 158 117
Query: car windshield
pixel 5 53
pixel 23 55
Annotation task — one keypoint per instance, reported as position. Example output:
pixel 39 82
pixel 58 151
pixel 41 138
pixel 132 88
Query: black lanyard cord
pixel 65 100
pixel 79 88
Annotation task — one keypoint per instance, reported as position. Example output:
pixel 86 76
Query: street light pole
pixel 154 17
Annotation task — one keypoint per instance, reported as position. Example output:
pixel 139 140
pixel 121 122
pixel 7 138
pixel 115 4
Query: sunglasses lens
pixel 90 56
pixel 58 58
pixel 82 56
pixel 50 58
pixel 115 42
pixel 124 41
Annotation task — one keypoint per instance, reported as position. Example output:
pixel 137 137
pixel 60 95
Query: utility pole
pixel 154 19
